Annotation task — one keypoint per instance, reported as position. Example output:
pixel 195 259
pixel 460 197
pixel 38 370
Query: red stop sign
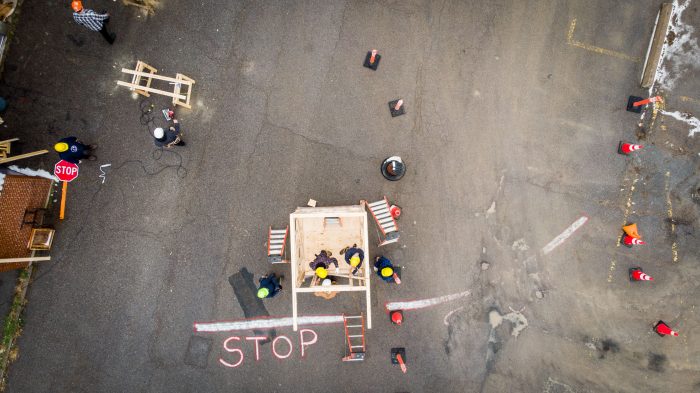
pixel 65 171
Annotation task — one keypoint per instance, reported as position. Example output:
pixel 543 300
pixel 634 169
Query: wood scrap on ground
pixel 6 9
pixel 149 6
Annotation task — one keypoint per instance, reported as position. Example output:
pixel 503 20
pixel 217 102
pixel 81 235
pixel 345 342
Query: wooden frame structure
pixel 144 74
pixel 5 147
pixel 41 239
pixel 313 229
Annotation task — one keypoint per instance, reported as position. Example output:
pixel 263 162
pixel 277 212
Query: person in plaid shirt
pixel 92 20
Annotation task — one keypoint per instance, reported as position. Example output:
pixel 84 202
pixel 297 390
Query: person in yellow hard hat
pixel 354 257
pixel 72 150
pixel 321 264
pixel 321 272
pixel 384 269
pixel 269 286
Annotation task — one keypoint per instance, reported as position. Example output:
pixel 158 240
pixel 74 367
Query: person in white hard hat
pixel 169 137
pixel 327 294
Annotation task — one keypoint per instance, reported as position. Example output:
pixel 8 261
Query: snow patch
pixel 492 209
pixel 683 52
pixel 32 172
pixel 520 245
pixel 516 318
pixel 687 118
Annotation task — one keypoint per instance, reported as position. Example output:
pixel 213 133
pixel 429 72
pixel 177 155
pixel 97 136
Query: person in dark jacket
pixel 384 269
pixel 321 264
pixel 72 150
pixel 269 286
pixel 354 257
pixel 169 137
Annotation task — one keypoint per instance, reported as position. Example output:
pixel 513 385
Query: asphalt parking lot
pixel 514 111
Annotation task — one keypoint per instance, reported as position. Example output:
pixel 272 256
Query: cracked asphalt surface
pixel 509 137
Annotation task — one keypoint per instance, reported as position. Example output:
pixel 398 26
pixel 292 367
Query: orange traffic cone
pixel 630 241
pixel 662 329
pixel 372 60
pixel 648 100
pixel 397 317
pixel 631 230
pixel 401 363
pixel 625 148
pixel 398 356
pixel 396 108
pixel 395 211
pixel 636 274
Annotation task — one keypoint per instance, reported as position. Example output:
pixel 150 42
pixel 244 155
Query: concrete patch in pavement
pixel 198 351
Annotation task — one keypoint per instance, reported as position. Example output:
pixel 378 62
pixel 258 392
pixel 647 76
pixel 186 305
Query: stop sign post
pixel 66 172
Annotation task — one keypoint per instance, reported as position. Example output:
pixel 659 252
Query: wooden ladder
pixel 355 337
pixel 385 221
pixel 276 239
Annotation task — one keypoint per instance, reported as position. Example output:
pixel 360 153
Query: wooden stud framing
pixel 136 79
pixel 21 156
pixel 139 89
pixel 297 227
pixel 5 147
pixel 20 260
pixel 145 73
pixel 187 81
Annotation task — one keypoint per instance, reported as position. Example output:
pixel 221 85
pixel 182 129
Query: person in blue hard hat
pixel 269 286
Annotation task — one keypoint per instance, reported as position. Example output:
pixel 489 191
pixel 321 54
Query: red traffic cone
pixel 397 317
pixel 630 241
pixel 395 211
pixel 662 329
pixel 636 274
pixel 625 148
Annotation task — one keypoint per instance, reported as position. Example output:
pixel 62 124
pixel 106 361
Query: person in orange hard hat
pixel 92 20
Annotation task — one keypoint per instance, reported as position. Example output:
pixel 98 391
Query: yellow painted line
pixel 656 107
pixel 669 210
pixel 628 208
pixel 689 99
pixel 570 40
